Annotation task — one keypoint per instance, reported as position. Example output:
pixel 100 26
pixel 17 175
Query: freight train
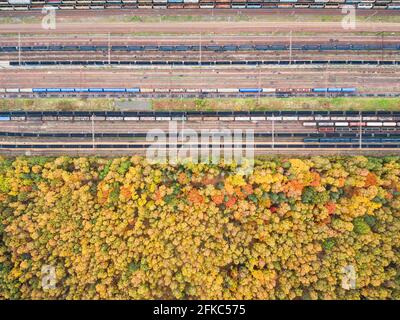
pixel 214 48
pixel 11 5
pixel 136 90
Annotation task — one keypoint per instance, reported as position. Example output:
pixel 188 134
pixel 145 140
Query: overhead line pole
pixel 93 142
pixel 200 49
pixel 19 48
pixel 273 131
pixel 360 134
pixel 290 47
pixel 109 48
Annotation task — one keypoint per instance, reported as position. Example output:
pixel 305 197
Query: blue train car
pixel 118 48
pixel 167 48
pixel 134 48
pixel 250 90
pixel 327 140
pixel 319 90
pixel 5 118
pixel 53 90
pixel 261 47
pixel 244 47
pixel 133 90
pixel 87 48
pixel 39 90
pixel 81 90
pixel 334 89
pixel 349 89
pixel 95 89
pixel 182 48
pixel 114 90
pixel 67 90
pixel 254 6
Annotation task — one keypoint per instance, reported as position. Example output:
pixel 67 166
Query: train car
pixel 250 90
pixel 25 90
pixel 357 124
pixel 226 118
pixel 341 124
pixel 209 90
pixel 18 118
pixel 322 118
pixel 334 90
pixel 291 118
pixel 259 118
pixel 374 124
pixel 133 90
pixel 96 90
pixel 5 118
pixel 114 89
pixel 12 90
pixel 228 90
pixel 274 118
pixel 349 90
pixel 389 124
pixel 242 118
pixel 326 129
pixel 268 90
pixel 67 90
pixel 326 124
pixel 319 90
pixel 147 118
pixel 309 124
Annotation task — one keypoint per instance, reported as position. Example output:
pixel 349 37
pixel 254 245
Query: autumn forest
pixel 121 228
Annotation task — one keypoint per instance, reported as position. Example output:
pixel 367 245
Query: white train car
pixel 341 124
pixel 242 118
pixel 25 90
pixel 131 118
pixel 306 118
pixel 226 118
pixel 290 118
pixel 309 124
pixel 374 124
pixel 12 90
pixel 268 90
pixel 257 118
pixel 150 90
pixel 321 118
pixel 274 118
pixel 389 124
pixel 326 124
pixel 209 90
pixel 228 90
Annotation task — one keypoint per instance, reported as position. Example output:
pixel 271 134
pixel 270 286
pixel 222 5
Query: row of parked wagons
pixel 178 90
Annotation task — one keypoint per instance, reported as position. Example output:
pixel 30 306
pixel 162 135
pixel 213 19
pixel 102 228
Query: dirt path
pixel 199 27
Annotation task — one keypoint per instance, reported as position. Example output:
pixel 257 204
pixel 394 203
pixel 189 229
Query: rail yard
pixel 198 59
pixel 199 149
